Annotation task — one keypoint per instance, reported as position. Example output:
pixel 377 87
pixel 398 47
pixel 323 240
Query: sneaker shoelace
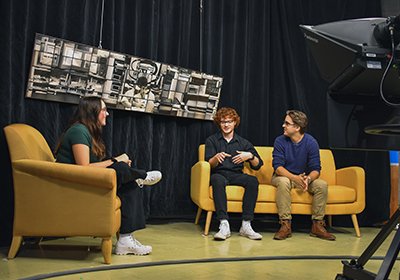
pixel 150 178
pixel 137 243
pixel 134 243
pixel 249 229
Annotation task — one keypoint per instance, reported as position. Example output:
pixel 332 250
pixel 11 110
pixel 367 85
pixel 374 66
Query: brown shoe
pixel 318 230
pixel 285 231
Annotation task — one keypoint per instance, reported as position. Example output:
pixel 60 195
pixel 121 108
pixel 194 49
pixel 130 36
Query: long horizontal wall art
pixel 65 71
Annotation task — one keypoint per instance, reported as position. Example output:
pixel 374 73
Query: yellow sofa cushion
pixel 267 193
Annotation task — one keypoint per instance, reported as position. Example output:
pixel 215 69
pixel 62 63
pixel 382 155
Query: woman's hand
pixel 124 158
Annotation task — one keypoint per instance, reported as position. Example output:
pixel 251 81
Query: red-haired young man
pixel 226 152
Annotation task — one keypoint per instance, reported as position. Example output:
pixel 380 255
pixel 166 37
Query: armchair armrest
pixel 353 177
pixel 63 199
pixel 200 183
pixel 94 176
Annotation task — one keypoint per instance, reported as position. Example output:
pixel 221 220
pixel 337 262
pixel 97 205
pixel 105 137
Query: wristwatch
pixel 251 157
pixel 114 160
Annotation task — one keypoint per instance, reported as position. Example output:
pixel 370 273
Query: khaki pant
pixel 318 188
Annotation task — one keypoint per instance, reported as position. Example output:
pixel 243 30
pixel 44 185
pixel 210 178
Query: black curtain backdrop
pixel 256 46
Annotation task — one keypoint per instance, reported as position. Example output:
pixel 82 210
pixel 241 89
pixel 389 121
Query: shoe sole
pixel 131 253
pixel 283 238
pixel 314 235
pixel 249 237
pixel 221 239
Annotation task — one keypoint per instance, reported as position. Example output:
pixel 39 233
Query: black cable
pixel 191 261
pixel 348 125
pixel 391 30
pixel 201 36
pixel 101 24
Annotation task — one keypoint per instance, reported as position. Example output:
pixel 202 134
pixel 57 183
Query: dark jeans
pixel 131 195
pixel 132 210
pixel 220 180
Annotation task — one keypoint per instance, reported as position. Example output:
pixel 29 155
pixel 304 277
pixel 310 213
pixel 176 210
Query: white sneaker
pixel 153 177
pixel 133 246
pixel 247 231
pixel 224 232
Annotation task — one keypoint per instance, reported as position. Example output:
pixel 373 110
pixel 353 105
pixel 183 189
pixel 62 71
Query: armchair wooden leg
pixel 196 221
pixel 106 249
pixel 15 244
pixel 355 223
pixel 208 222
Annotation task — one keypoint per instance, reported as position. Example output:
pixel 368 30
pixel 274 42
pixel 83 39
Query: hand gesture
pixel 241 157
pixel 221 156
pixel 302 181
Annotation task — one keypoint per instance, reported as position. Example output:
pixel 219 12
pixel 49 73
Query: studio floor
pixel 180 251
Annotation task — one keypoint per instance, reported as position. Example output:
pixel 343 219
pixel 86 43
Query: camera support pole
pixel 355 268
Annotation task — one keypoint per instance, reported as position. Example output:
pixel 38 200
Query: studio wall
pixel 256 46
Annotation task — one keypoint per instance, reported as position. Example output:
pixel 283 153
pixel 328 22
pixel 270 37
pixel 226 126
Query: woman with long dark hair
pixel 82 144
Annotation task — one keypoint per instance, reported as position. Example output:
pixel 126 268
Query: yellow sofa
pixel 346 189
pixel 55 199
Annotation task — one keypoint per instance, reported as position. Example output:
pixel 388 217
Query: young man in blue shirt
pixel 226 152
pixel 296 162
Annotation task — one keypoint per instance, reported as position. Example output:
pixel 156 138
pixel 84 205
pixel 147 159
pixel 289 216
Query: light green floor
pixel 183 241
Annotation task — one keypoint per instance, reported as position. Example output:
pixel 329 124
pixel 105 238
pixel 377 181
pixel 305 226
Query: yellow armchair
pixel 346 189
pixel 56 199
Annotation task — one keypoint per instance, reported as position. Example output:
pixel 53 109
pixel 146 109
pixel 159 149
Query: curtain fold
pixel 256 46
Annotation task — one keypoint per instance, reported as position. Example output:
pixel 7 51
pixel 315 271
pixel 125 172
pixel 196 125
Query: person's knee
pixel 321 187
pixel 218 181
pixel 282 182
pixel 253 182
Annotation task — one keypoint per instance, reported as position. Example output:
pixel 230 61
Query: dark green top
pixel 76 134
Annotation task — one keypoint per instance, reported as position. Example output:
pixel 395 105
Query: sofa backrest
pixel 328 167
pixel 25 142
pixel 264 174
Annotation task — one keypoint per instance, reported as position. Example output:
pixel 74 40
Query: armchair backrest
pixel 264 174
pixel 25 142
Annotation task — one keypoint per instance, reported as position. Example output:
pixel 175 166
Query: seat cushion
pixel 267 193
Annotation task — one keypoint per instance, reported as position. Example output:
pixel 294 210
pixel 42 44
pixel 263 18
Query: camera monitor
pixel 353 57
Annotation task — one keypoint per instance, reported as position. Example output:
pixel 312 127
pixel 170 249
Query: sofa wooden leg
pixel 196 221
pixel 329 220
pixel 106 249
pixel 208 222
pixel 15 244
pixel 355 223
